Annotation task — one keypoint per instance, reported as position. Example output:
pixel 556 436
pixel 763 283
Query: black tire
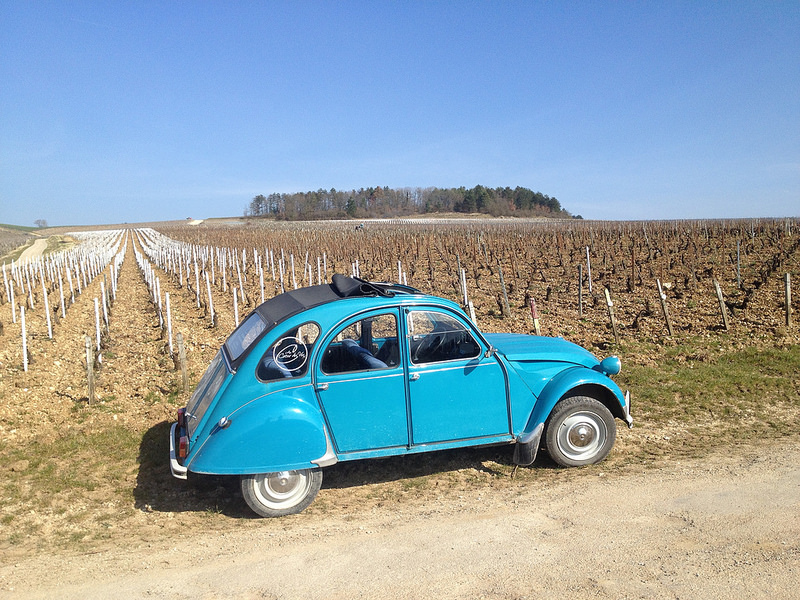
pixel 579 431
pixel 281 494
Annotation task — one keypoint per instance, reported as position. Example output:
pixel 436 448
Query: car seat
pixel 363 357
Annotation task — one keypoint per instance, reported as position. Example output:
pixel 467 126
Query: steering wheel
pixel 428 347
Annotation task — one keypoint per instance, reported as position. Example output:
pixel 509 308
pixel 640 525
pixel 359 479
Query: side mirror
pixel 490 352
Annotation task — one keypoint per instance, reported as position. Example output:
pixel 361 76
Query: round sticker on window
pixel 291 354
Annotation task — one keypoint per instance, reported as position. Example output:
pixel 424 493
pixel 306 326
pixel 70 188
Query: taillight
pixel 183 447
pixel 181 417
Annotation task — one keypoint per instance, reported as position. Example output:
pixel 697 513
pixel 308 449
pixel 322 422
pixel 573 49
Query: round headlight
pixel 611 365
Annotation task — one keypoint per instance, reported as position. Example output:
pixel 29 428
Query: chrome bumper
pixel 178 470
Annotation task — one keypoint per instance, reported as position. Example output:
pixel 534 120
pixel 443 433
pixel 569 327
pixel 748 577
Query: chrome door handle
pixel 413 377
pixel 321 387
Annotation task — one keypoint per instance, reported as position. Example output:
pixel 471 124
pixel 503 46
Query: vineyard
pixel 114 307
pixel 11 238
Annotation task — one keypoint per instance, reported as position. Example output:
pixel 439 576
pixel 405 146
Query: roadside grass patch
pixel 54 486
pixel 59 243
pixel 719 395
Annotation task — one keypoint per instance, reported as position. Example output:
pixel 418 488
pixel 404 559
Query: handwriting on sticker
pixel 290 353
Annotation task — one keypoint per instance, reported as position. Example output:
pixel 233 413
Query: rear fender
pixel 574 381
pixel 268 434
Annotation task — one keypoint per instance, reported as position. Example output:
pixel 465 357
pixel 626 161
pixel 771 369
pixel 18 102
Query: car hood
pixel 518 347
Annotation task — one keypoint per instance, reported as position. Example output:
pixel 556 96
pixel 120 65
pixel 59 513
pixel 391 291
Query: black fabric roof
pixel 292 302
pixel 281 307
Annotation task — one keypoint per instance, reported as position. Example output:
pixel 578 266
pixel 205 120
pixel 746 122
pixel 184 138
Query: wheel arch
pixel 600 393
pixel 575 381
pixel 264 436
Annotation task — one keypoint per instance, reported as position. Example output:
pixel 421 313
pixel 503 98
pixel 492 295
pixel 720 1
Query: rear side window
pixel 288 357
pixel 244 335
pixel 205 392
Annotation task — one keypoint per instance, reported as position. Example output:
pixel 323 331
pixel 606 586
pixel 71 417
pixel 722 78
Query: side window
pixel 367 344
pixel 288 357
pixel 437 337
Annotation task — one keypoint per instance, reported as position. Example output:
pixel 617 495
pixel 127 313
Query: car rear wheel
pixel 579 431
pixel 282 493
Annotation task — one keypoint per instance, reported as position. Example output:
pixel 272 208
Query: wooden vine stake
pixel 738 265
pixel 5 283
pixel 535 316
pixel 47 311
pixel 580 291
pixel 788 298
pixel 722 305
pixel 236 305
pixel 464 287
pixel 13 302
pixel 182 361
pixel 61 291
pixel 664 308
pixel 97 323
pixel 104 301
pixel 169 323
pixel 589 269
pixel 611 315
pixel 89 367
pixel 197 285
pixel 210 301
pixel 24 339
pixel 506 306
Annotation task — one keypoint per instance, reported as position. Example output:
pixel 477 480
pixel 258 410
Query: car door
pixel 456 391
pixel 360 383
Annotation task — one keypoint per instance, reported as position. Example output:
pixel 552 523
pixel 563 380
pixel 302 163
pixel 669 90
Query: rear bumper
pixel 178 470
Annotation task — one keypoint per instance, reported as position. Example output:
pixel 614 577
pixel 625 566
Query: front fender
pixel 274 432
pixel 579 379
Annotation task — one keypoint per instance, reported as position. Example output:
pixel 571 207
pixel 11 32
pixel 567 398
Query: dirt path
pixel 727 526
pixel 37 249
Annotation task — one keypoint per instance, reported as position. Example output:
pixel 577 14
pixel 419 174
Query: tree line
pixel 381 202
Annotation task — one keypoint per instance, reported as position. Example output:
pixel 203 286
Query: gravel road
pixel 725 526
pixel 34 250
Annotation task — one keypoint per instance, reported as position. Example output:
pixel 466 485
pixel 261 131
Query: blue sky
pixel 135 111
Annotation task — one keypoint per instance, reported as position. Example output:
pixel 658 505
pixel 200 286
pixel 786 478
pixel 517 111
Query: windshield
pixel 244 335
pixel 204 393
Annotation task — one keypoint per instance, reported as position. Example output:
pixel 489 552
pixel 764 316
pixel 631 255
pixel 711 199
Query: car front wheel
pixel 579 431
pixel 282 493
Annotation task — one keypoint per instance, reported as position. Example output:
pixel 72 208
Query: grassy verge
pixel 73 480
pixel 750 392
pixel 58 243
pixel 111 482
